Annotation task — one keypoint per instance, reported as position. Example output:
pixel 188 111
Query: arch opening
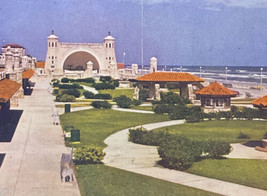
pixel 78 61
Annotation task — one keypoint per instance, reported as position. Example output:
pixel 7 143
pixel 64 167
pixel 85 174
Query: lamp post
pixel 261 78
pixel 200 70
pixel 226 69
pixel 123 57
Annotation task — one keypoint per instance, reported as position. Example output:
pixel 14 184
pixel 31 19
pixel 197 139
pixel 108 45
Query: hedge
pixel 76 93
pixel 90 95
pixel 88 155
pixel 65 98
pixel 101 104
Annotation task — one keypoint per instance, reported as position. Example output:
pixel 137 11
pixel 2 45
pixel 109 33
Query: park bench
pixel 66 167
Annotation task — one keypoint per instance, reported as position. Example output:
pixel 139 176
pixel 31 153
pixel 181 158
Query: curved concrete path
pixel 32 163
pixel 141 159
pixel 115 107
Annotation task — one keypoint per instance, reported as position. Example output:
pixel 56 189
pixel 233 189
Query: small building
pixel 8 89
pixel 26 84
pixel 260 103
pixel 40 68
pixel 157 80
pixel 215 98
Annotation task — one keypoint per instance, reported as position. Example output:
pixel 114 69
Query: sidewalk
pixel 32 162
pixel 141 159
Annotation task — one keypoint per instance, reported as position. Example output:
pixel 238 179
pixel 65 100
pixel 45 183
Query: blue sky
pixel 177 32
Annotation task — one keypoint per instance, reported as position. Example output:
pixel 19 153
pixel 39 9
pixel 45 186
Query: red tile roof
pixel 120 66
pixel 40 64
pixel 28 74
pixel 261 102
pixel 13 46
pixel 170 77
pixel 7 89
pixel 216 89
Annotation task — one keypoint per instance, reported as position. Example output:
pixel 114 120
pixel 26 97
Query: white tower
pixel 51 55
pixel 153 64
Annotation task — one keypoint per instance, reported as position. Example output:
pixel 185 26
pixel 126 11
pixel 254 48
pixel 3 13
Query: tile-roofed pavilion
pixel 7 89
pixel 260 102
pixel 184 81
pixel 215 97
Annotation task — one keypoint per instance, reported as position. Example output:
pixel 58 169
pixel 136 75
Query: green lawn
pixel 220 130
pixel 146 108
pixel 241 171
pixel 102 180
pixel 118 92
pixel 96 125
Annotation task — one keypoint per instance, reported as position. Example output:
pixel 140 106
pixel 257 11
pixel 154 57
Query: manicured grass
pixel 220 130
pixel 146 108
pixel 102 180
pixel 241 171
pixel 118 92
pixel 96 125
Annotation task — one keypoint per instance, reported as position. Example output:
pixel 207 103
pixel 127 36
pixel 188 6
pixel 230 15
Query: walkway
pixel 141 159
pixel 32 163
pixel 115 107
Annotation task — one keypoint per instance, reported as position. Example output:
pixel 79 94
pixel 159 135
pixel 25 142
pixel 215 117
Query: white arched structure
pixel 102 54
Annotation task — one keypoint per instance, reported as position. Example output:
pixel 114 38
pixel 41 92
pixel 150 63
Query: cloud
pixel 213 9
pixel 239 3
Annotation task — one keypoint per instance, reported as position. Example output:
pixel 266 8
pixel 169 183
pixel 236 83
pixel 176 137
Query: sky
pixel 176 32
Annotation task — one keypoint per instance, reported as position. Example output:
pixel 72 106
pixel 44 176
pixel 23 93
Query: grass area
pixel 242 101
pixel 146 108
pixel 220 130
pixel 241 171
pixel 96 125
pixel 118 92
pixel 103 180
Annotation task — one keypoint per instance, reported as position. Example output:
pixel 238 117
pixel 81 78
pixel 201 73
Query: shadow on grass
pixel 253 143
pixel 2 156
pixel 9 122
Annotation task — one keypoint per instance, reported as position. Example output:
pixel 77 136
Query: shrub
pixel 69 86
pixel 162 108
pixel 88 95
pixel 65 80
pixel 55 83
pixel 88 155
pixel 215 149
pixel 179 112
pixel 101 104
pixel 123 101
pixel 76 93
pixel 105 78
pixel 103 86
pixel 116 83
pixel 250 113
pixel 136 102
pixel 65 98
pixel 55 91
pixel 173 98
pixel 102 96
pixel 142 136
pixel 243 136
pixel 226 115
pixel 194 117
pixel 178 152
pixel 89 80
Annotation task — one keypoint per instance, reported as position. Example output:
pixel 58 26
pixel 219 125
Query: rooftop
pixel 13 46
pixel 40 64
pixel 120 65
pixel 170 77
pixel 27 74
pixel 216 89
pixel 261 102
pixel 7 89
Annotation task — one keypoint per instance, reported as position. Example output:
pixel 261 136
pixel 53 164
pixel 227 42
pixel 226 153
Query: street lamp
pixel 200 70
pixel 261 78
pixel 123 57
pixel 226 69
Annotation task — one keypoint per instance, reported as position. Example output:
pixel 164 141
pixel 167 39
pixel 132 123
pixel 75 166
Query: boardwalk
pixel 32 162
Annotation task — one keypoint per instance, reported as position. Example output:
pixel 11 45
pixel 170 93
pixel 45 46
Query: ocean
pixel 227 74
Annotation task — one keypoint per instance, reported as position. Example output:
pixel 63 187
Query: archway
pixel 78 61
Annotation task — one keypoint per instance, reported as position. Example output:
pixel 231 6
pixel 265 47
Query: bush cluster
pixel 178 152
pixel 75 92
pixel 101 104
pixel 65 98
pixel 106 83
pixel 143 94
pixel 88 155
pixel 86 80
pixel 126 102
pixel 90 95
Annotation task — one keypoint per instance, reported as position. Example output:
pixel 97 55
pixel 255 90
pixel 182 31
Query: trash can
pixel 67 108
pixel 75 135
